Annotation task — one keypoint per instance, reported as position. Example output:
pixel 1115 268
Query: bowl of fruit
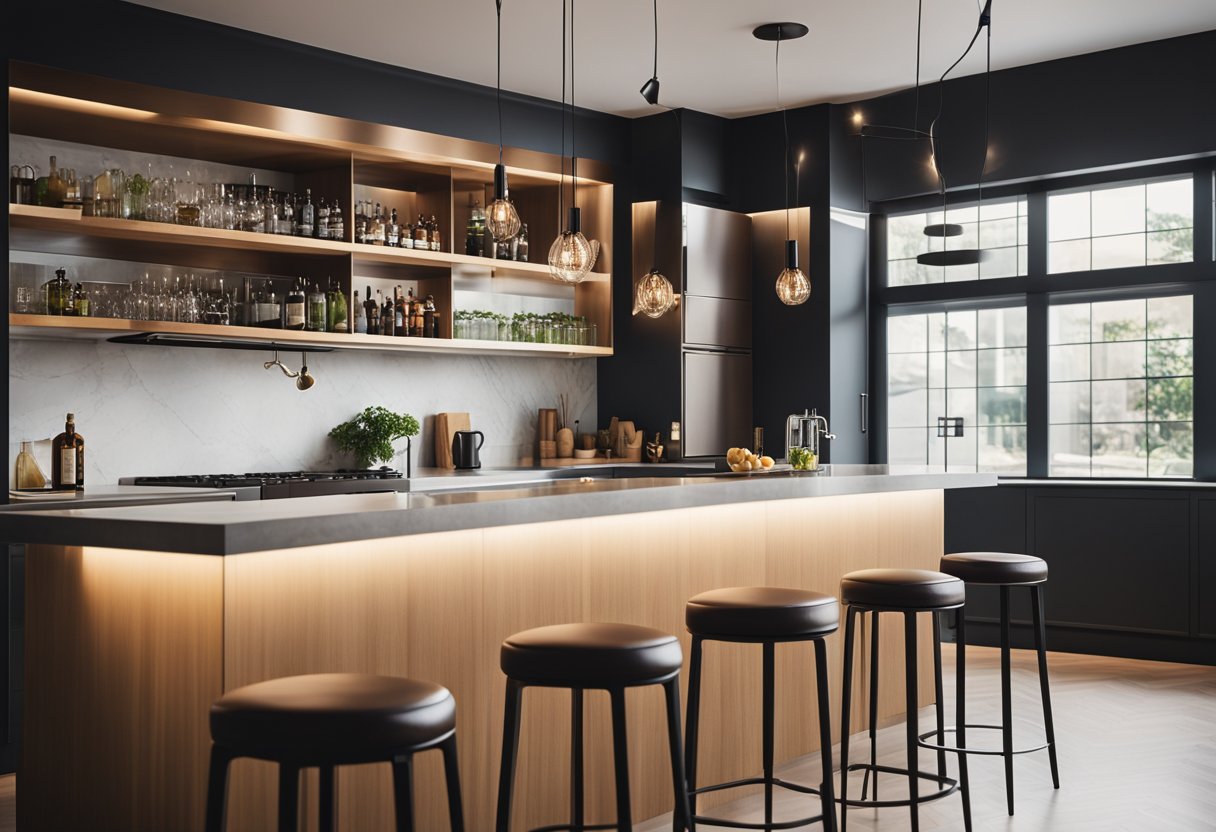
pixel 743 461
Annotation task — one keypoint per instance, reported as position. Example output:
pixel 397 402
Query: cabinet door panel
pixel 717 322
pixel 1207 567
pixel 717 261
pixel 717 402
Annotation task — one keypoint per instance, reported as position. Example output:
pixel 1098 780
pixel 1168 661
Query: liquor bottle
pixel 436 240
pixel 337 227
pixel 399 313
pixel 56 187
pixel 386 315
pixel 307 216
pixel 375 227
pixel 317 316
pixel 421 238
pixel 360 223
pixel 321 231
pixel 67 458
pixel 360 315
pixel 430 328
pixel 416 316
pixel 392 233
pixel 521 247
pixel 80 301
pixel 295 312
pixel 476 228
pixel 270 213
pixel 371 311
pixel 335 302
pixel 287 215
pixel 58 294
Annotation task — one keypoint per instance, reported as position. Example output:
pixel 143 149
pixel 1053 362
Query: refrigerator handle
pixel 865 412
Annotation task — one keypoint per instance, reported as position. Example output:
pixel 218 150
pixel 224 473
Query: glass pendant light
pixel 502 220
pixel 572 255
pixel 793 286
pixel 654 296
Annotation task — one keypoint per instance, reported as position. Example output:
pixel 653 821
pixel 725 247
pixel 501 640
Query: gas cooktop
pixel 281 484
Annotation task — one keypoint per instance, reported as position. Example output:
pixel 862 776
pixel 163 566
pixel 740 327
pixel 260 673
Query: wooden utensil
pixel 446 425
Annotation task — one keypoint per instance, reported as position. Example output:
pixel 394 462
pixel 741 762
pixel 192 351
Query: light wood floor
pixel 1136 743
pixel 1137 746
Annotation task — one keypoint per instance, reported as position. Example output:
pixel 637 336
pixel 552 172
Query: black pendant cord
pixel 655 73
pixel 920 7
pixel 941 97
pixel 498 5
pixel 573 117
pixel 785 126
pixel 905 134
pixel 561 180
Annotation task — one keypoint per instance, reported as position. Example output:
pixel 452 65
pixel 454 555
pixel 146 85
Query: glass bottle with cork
pixel 67 458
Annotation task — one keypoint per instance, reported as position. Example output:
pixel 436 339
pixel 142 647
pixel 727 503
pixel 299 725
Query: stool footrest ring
pixel 951 729
pixel 949 787
pixel 756 781
pixel 569 827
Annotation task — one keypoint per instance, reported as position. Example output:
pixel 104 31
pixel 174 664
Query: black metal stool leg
pixel 327 802
pixel 289 797
pixel 682 818
pixel 620 754
pixel 960 681
pixel 767 730
pixel 825 735
pixel 846 695
pixel 1006 700
pixel 691 724
pixel 510 743
pixel 403 791
pixel 937 690
pixel 873 772
pixel 1040 646
pixel 451 769
pixel 217 790
pixel 577 802
pixel 910 684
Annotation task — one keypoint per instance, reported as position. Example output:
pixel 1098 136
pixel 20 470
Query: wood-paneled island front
pixel 138 618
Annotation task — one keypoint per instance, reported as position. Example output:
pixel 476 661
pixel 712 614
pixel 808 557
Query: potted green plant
pixel 370 435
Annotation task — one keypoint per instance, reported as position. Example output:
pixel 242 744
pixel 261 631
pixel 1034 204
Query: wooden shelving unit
pixel 97 329
pixel 412 171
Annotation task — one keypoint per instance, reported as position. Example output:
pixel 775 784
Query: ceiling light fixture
pixel 793 286
pixel 960 256
pixel 502 219
pixel 572 255
pixel 650 90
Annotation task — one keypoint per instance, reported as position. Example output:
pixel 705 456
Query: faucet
pixel 805 430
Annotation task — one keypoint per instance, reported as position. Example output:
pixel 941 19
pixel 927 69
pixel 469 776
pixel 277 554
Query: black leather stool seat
pixel 332 717
pixel 1000 568
pixel 590 655
pixel 761 611
pixel 902 589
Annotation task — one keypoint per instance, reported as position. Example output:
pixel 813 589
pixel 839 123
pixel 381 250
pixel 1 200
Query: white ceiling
pixel 708 60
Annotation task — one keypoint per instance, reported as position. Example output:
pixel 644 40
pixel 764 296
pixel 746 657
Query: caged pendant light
pixel 793 286
pixel 572 255
pixel 655 295
pixel 502 220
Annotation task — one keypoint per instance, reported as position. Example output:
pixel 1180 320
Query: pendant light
pixel 650 90
pixel 502 220
pixel 793 286
pixel 655 295
pixel 959 256
pixel 572 255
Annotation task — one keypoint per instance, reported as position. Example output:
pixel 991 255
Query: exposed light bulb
pixel 502 220
pixel 793 287
pixel 654 295
pixel 572 255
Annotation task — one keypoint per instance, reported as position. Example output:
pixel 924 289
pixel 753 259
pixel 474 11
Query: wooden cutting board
pixel 446 425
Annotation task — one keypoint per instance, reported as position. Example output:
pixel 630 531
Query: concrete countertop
pixel 230 528
pixel 113 496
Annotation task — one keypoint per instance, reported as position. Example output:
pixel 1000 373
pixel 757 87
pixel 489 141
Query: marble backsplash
pixel 147 410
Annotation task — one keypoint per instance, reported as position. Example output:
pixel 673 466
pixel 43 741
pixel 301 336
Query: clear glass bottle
pixel 67 458
pixel 335 302
pixel 321 228
pixel 392 232
pixel 360 315
pixel 318 314
pixel 337 227
pixel 521 244
pixel 80 301
pixel 28 473
pixel 307 215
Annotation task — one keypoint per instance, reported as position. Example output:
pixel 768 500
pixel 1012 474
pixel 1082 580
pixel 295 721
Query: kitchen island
pixel 139 617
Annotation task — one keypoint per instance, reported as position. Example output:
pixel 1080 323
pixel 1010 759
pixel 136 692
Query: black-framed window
pixel 1143 409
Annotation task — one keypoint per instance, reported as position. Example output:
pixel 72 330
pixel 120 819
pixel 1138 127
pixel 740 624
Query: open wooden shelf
pixel 55 327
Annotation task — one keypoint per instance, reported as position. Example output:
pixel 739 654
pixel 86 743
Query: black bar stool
pixel 328 720
pixel 767 616
pixel 906 591
pixel 581 657
pixel 1006 570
